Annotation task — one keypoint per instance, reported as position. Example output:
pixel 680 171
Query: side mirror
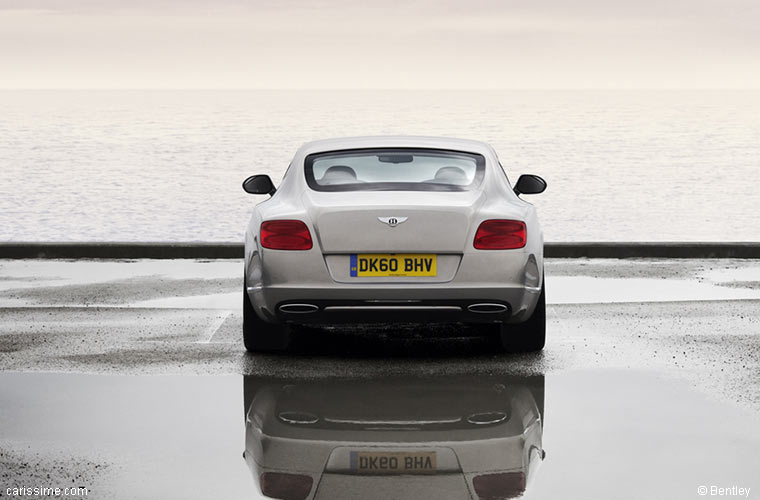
pixel 259 184
pixel 530 184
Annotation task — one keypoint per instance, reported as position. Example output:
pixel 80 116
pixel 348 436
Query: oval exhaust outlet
pixel 492 417
pixel 298 417
pixel 487 307
pixel 299 308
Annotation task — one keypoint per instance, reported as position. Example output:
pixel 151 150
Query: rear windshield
pixel 394 170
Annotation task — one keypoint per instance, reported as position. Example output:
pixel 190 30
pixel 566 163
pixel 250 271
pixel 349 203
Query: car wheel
pixel 529 336
pixel 260 336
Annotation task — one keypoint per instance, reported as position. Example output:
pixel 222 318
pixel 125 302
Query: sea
pixel 167 165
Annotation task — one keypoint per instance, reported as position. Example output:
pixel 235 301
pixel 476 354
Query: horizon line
pixel 383 88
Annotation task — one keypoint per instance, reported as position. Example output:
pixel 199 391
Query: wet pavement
pixel 129 378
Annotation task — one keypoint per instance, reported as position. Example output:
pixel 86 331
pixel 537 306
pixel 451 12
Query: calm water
pixel 167 165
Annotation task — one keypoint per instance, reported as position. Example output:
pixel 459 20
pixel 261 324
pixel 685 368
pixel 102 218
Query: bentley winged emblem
pixel 392 221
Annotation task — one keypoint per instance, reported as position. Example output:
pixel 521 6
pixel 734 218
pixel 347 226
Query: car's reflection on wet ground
pixel 622 434
pixel 448 437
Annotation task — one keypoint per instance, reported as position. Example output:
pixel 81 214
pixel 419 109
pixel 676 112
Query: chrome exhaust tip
pixel 298 308
pixel 487 308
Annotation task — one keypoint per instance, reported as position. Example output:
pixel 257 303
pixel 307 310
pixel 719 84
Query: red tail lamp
pixel 499 234
pixel 285 235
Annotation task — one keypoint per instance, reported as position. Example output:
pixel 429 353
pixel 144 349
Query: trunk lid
pixel 430 222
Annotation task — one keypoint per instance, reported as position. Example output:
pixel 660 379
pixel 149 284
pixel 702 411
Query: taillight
pixel 285 235
pixel 496 234
pixel 499 486
pixel 285 486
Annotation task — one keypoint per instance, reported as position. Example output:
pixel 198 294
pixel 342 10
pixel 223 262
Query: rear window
pixel 394 170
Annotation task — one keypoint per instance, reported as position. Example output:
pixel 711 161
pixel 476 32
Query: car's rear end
pixel 431 232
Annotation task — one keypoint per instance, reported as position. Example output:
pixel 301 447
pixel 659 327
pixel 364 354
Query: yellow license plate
pixel 391 462
pixel 389 264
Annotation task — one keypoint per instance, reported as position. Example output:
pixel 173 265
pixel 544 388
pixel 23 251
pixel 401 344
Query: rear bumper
pixel 508 278
pixel 344 304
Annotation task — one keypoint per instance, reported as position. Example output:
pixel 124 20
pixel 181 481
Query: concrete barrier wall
pixel 192 250
pixel 614 250
pixel 121 250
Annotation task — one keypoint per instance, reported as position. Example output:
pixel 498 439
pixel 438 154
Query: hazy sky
pixel 388 44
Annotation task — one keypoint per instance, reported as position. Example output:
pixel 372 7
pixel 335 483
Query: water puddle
pixel 590 434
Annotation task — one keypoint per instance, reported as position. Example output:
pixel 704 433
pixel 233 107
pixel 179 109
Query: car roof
pixel 395 141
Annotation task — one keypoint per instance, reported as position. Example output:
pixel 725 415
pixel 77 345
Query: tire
pixel 259 335
pixel 529 336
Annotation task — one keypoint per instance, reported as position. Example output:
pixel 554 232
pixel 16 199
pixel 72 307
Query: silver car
pixel 387 229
